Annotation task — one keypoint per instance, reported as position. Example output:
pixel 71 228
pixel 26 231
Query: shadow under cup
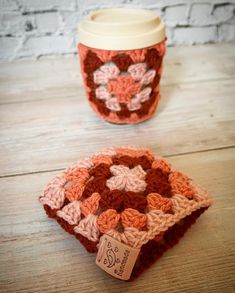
pixel 121 52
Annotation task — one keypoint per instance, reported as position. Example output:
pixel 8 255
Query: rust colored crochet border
pixel 158 248
pixel 145 260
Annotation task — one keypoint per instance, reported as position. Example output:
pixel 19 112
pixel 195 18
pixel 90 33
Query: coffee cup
pixel 121 52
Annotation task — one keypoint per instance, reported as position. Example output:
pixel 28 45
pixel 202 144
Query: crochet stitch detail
pixel 122 86
pixel 116 88
pixel 129 194
pixel 127 179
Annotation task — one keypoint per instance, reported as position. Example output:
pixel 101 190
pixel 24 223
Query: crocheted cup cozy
pixel 129 194
pixel 122 86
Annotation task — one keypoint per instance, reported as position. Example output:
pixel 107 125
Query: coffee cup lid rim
pixel 121 29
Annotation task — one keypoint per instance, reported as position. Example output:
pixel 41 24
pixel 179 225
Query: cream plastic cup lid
pixel 121 29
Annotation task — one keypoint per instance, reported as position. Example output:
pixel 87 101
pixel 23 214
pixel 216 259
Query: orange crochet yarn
pixel 129 194
pixel 122 86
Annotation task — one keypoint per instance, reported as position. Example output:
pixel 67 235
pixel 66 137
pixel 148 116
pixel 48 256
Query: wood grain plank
pixel 37 255
pixel 48 134
pixel 50 78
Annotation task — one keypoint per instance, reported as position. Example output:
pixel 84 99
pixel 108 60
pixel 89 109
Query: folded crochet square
pixel 129 194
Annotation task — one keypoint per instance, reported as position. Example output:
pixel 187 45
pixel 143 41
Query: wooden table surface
pixel 46 123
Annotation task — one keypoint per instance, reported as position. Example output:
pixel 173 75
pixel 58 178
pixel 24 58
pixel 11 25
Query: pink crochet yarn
pixel 122 86
pixel 129 194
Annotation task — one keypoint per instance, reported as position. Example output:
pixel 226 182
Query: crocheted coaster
pixel 122 86
pixel 131 196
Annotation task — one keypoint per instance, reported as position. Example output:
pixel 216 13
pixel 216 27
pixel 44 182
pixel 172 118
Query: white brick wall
pixel 176 15
pixel 195 35
pixel 32 28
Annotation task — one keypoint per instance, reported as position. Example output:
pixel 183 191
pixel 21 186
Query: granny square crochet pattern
pixel 129 194
pixel 122 86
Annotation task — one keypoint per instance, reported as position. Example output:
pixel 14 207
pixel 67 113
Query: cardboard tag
pixel 116 258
